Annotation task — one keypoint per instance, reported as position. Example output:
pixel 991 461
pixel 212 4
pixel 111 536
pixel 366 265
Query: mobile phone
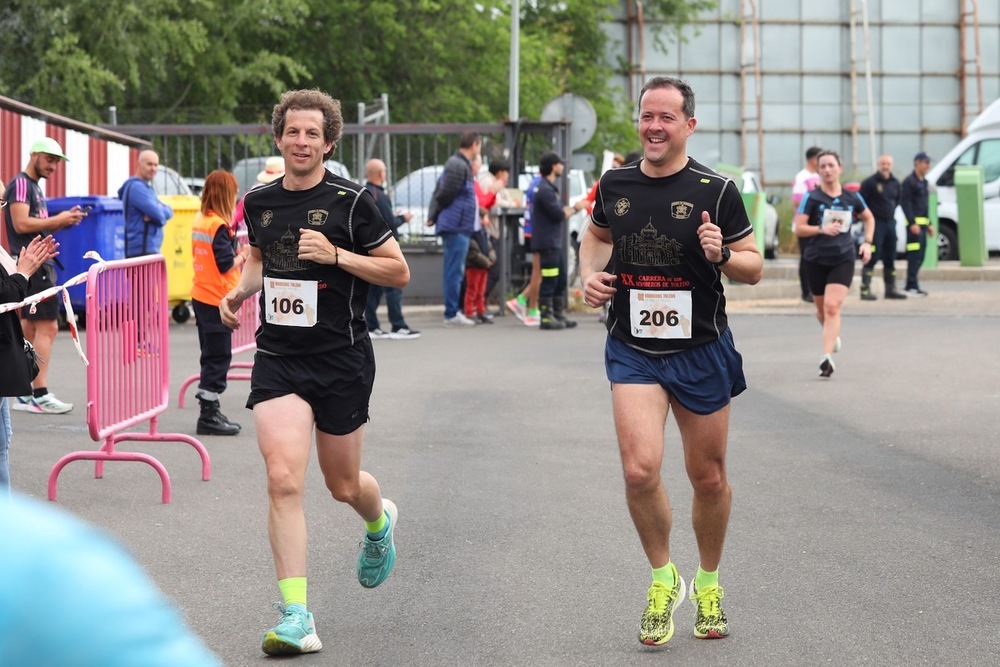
pixel 86 209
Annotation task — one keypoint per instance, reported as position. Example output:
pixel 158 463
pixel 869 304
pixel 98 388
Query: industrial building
pixel 773 77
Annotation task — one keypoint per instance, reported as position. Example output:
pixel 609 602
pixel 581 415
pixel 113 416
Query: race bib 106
pixel 660 314
pixel 290 303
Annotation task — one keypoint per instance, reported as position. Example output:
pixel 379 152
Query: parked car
pixel 196 185
pixel 751 183
pixel 246 171
pixel 169 182
pixel 412 194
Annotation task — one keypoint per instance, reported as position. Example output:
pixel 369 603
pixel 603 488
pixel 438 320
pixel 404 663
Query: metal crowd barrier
pixel 128 375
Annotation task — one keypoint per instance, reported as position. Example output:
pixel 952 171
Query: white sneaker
pixel 51 405
pixel 23 404
pixel 460 320
pixel 377 333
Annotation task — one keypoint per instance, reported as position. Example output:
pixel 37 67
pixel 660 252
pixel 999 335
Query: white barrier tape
pixel 33 301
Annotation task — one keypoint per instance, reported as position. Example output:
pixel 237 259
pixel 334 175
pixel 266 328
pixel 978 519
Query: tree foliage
pixel 210 61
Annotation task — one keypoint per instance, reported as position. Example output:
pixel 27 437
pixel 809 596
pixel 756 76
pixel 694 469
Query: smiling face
pixel 302 144
pixel 664 129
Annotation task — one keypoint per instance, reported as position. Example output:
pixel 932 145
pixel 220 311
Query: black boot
pixel 211 421
pixel 548 317
pixel 866 285
pixel 890 285
pixel 559 311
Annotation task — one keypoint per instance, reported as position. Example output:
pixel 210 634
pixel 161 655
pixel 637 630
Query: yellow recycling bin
pixel 177 251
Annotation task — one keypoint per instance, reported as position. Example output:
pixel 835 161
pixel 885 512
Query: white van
pixel 981 147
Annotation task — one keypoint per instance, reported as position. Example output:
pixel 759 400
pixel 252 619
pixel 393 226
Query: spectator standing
pixel 914 200
pixel 805 180
pixel 317 242
pixel 825 217
pixel 217 265
pixel 145 215
pixel 547 216
pixel 480 259
pixel 881 192
pixel 15 379
pixel 524 306
pixel 665 231
pixel 496 198
pixel 27 216
pixel 454 210
pixel 375 175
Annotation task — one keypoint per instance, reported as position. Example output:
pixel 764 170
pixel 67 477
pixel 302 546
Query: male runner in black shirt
pixel 665 232
pixel 317 241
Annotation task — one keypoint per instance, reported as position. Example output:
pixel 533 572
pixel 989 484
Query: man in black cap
pixel 913 200
pixel 547 215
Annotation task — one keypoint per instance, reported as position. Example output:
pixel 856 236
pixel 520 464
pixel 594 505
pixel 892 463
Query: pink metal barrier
pixel 128 376
pixel 244 338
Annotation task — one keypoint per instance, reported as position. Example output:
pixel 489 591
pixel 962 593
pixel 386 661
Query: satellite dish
pixel 578 112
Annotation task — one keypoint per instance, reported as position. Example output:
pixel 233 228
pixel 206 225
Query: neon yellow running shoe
pixel 709 619
pixel 657 625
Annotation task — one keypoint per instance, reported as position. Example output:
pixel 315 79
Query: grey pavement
pixel 865 526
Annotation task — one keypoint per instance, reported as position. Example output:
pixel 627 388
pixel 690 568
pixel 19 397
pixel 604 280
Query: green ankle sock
pixel 521 299
pixel 705 579
pixel 666 575
pixel 293 590
pixel 377 527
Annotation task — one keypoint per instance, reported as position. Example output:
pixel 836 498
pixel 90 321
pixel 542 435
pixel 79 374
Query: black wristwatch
pixel 726 254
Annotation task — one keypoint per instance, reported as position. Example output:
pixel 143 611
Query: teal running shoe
pixel 295 633
pixel 376 560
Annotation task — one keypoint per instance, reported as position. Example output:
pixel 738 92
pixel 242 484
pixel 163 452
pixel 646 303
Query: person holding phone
pixel 26 216
pixel 825 216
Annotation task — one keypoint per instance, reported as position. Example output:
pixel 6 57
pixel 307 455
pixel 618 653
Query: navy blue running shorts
pixel 702 379
pixel 337 385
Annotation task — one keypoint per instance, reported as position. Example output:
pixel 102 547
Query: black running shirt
pixel 305 307
pixel 820 207
pixel 670 297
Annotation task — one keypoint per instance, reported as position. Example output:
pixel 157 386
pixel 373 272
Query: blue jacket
pixel 145 216
pixel 453 205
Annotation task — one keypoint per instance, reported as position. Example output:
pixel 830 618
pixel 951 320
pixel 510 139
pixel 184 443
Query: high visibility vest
pixel 210 286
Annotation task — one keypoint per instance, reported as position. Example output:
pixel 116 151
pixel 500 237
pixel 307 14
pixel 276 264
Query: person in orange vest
pixel 217 263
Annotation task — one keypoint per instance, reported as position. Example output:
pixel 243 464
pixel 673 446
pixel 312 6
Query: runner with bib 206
pixel 666 231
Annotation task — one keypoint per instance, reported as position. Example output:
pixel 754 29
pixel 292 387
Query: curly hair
pixel 333 120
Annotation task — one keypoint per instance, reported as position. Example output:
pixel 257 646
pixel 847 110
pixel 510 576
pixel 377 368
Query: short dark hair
pixel 813 151
pixel 496 166
pixel 671 82
pixel 829 152
pixel 468 139
pixel 333 120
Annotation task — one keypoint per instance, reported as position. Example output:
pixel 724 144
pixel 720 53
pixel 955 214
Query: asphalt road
pixel 865 527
